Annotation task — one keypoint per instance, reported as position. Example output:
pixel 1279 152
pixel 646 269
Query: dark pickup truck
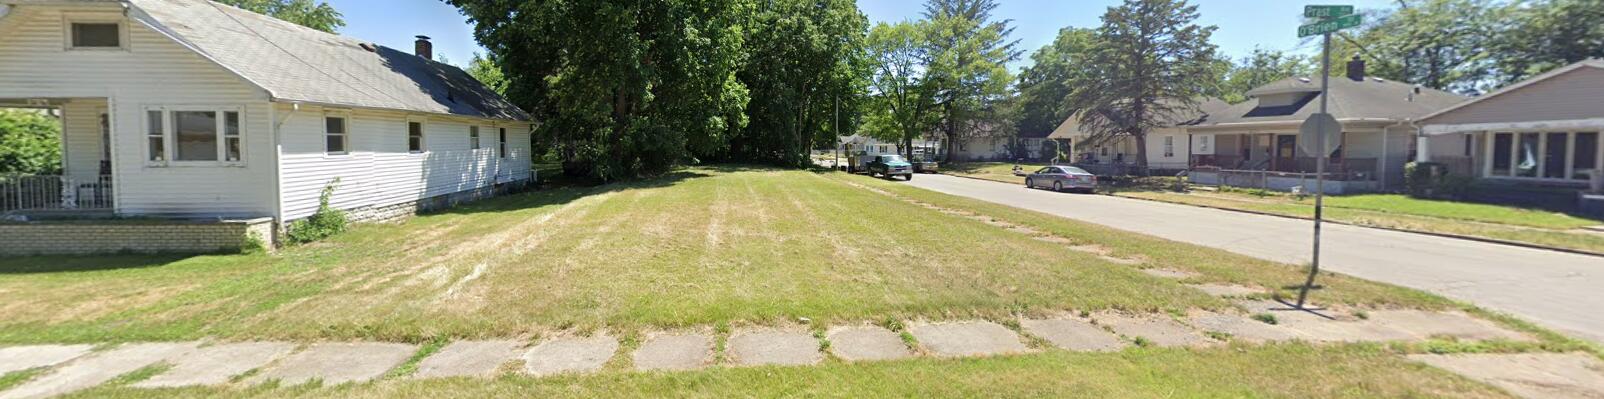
pixel 888 165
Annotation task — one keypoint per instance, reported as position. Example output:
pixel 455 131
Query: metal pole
pixel 835 164
pixel 1319 169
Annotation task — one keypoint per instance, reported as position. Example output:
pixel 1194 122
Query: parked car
pixel 1060 178
pixel 925 165
pixel 889 165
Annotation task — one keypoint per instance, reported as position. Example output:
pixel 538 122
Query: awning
pixel 1559 125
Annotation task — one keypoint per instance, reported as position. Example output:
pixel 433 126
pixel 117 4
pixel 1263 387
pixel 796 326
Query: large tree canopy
pixel 904 106
pixel 806 72
pixel 1152 62
pixel 1260 68
pixel 967 66
pixel 30 142
pixel 619 87
pixel 1046 83
pixel 316 15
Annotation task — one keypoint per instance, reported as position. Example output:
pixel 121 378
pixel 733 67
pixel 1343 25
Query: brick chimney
pixel 423 48
pixel 1356 69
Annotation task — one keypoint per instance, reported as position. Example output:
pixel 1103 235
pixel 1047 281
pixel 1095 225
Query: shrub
pixel 1432 180
pixel 326 222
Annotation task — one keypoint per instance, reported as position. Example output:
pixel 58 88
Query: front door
pixel 1286 153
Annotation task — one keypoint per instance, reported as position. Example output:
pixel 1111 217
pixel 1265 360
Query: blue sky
pixel 1244 24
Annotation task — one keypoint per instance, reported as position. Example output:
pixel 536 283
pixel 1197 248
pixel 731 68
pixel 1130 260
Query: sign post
pixel 1322 126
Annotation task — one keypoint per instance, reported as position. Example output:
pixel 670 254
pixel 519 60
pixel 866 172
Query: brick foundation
pixel 85 237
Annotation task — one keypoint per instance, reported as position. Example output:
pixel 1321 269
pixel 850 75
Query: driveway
pixel 1558 290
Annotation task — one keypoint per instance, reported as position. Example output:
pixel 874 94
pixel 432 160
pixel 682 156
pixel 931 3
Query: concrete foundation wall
pixel 86 237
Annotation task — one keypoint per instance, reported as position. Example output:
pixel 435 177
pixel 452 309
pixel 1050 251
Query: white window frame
pixel 1542 147
pixel 1203 145
pixel 169 136
pixel 501 142
pixel 345 137
pixel 475 137
pixel 1169 146
pixel 423 135
pixel 67 19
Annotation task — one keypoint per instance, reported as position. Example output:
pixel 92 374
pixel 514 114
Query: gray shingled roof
pixel 1205 112
pixel 1374 99
pixel 295 63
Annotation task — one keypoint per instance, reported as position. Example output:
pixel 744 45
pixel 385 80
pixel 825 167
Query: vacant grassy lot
pixel 1402 212
pixel 704 246
pixel 725 247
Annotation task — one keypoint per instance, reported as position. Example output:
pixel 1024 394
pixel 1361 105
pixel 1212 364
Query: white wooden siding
pixel 1573 95
pixel 378 170
pixel 153 71
pixel 80 134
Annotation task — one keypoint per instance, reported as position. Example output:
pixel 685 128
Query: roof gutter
pixel 298 103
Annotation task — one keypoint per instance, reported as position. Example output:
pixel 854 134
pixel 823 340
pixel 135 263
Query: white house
pixel 1169 147
pixel 191 109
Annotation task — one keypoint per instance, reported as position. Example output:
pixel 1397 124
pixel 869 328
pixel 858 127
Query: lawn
pixel 1402 212
pixel 724 247
pixel 994 171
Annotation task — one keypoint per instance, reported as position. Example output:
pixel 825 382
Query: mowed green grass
pixel 994 171
pixel 699 247
pixel 1289 371
pixel 1402 212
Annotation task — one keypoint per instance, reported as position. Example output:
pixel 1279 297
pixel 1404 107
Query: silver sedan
pixel 1060 178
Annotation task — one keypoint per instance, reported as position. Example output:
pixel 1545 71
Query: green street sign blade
pixel 1330 25
pixel 1314 11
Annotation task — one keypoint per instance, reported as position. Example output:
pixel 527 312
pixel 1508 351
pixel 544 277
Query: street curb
pixel 1429 233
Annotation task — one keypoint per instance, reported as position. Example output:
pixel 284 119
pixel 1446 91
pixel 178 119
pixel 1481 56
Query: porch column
pixel 1422 148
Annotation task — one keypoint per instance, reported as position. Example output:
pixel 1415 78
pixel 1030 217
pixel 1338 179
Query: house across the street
pixel 1539 133
pixel 1169 148
pixel 1255 143
pixel 194 110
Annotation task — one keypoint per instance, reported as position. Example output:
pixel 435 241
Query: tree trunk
pixel 1141 151
pixel 949 128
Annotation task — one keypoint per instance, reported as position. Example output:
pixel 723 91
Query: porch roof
pixel 1370 100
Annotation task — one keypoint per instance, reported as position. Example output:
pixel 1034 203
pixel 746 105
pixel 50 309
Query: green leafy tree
pixel 1151 62
pixel 312 14
pixel 806 68
pixel 622 88
pixel 488 71
pixel 1045 84
pixel 30 142
pixel 1548 34
pixel 1441 44
pixel 903 107
pixel 967 65
pixel 1260 68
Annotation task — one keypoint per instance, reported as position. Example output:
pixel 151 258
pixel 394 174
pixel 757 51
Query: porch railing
pixel 49 192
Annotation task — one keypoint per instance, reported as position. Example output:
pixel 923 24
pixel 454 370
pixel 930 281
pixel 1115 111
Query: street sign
pixel 1330 25
pixel 1309 134
pixel 1313 11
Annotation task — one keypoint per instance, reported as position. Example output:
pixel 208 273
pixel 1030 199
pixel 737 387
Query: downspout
pixel 278 156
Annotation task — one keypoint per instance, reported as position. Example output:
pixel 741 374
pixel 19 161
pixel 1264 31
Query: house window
pixel 232 147
pixel 96 35
pixel 155 136
pixel 190 135
pixel 473 137
pixel 1203 144
pixel 1585 155
pixel 1169 146
pixel 501 142
pixel 1554 153
pixel 1102 150
pixel 334 135
pixel 1526 153
pixel 414 137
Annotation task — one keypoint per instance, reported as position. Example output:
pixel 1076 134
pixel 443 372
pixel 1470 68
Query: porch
pixel 81 183
pixel 1367 160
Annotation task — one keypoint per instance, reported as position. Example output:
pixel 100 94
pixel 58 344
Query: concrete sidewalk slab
pixel 1241 328
pixel 1073 334
pixel 215 365
pixel 1169 273
pixel 774 347
pixel 1159 330
pixel 674 352
pixel 98 368
pixel 570 355
pixel 1226 290
pixel 338 363
pixel 468 359
pixel 1529 375
pixel 967 338
pixel 1424 324
pixel 18 358
pixel 860 343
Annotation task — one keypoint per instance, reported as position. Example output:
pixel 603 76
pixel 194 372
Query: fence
pixel 49 192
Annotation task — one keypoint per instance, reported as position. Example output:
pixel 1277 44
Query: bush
pixel 1432 180
pixel 30 142
pixel 326 222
